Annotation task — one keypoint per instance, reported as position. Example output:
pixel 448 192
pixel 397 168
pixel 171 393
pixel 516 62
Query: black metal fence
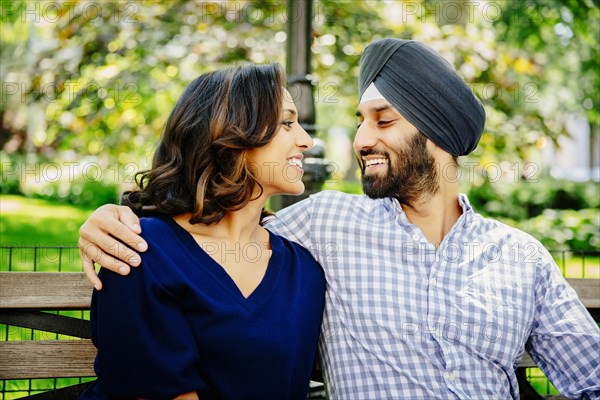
pixel 52 258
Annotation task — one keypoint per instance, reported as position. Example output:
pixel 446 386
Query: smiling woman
pixel 278 165
pixel 221 306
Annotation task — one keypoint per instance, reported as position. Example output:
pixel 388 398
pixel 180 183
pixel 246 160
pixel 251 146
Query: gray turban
pixel 426 90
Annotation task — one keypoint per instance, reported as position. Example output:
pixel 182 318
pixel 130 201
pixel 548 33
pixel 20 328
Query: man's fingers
pixel 90 272
pixel 116 222
pixel 130 229
pixel 111 254
pixel 90 254
pixel 122 255
pixel 89 258
pixel 97 240
pixel 127 217
pixel 103 239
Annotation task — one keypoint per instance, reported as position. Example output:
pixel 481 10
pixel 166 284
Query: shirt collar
pixel 399 214
pixel 463 200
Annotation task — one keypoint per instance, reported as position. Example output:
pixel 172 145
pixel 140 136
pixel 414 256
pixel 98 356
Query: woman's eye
pixel 288 123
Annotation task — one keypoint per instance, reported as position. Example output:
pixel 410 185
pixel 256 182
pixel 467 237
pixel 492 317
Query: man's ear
pixel 440 155
pixel 432 147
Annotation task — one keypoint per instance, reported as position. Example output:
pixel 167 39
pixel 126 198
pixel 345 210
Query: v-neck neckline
pixel 260 293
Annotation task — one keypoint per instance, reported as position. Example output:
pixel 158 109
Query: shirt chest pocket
pixel 498 295
pixel 493 315
pixel 494 292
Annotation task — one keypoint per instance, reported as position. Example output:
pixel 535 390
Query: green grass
pixel 28 222
pixel 25 221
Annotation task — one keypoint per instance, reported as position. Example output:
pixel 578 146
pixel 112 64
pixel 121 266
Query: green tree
pixel 99 78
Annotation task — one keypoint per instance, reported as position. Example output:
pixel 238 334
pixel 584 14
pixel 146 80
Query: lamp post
pixel 300 86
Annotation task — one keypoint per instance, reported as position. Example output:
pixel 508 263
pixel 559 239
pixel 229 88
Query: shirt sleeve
pixel 294 223
pixel 145 344
pixel 565 340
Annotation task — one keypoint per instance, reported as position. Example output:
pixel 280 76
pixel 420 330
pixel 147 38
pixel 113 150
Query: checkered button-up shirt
pixel 404 320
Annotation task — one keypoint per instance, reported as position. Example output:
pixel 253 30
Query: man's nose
pixel 364 138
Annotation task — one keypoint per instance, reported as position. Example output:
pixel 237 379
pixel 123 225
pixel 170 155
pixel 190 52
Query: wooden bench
pixel 24 295
pixel 588 291
pixel 23 298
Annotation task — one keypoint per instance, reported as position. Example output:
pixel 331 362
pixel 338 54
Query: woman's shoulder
pixel 154 221
pixel 298 262
pixel 168 254
pixel 279 241
pixel 156 226
pixel 163 235
pixel 290 247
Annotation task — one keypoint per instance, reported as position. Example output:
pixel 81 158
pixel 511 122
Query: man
pixel 426 298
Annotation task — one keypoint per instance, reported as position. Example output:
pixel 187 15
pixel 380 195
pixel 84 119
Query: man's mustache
pixel 371 152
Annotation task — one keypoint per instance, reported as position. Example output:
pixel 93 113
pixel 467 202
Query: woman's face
pixel 278 165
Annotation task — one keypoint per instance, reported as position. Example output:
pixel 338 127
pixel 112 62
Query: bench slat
pixel 45 290
pixel 72 291
pixel 43 321
pixel 47 359
pixel 527 362
pixel 588 291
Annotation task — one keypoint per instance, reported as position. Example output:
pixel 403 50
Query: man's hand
pixel 188 396
pixel 102 238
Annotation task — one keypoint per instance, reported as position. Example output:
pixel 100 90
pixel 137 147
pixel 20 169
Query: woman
pixel 223 309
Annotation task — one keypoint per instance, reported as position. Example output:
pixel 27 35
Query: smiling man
pixel 426 299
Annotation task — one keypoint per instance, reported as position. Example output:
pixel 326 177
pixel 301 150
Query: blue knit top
pixel 179 323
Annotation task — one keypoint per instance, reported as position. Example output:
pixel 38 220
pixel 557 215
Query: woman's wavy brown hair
pixel 199 166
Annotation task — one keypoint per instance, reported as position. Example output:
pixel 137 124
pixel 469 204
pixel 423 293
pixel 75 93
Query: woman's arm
pixel 146 346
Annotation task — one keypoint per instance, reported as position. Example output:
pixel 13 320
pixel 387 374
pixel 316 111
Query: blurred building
pixel 577 158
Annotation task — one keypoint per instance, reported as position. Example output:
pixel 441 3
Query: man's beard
pixel 413 176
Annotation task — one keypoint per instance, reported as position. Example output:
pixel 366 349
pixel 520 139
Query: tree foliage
pixel 99 78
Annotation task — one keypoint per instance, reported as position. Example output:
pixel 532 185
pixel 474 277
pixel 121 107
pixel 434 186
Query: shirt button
pixel 432 281
pixel 416 237
pixel 450 376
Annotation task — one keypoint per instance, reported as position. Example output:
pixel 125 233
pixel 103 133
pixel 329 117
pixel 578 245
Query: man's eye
pixel 383 122
pixel 287 123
